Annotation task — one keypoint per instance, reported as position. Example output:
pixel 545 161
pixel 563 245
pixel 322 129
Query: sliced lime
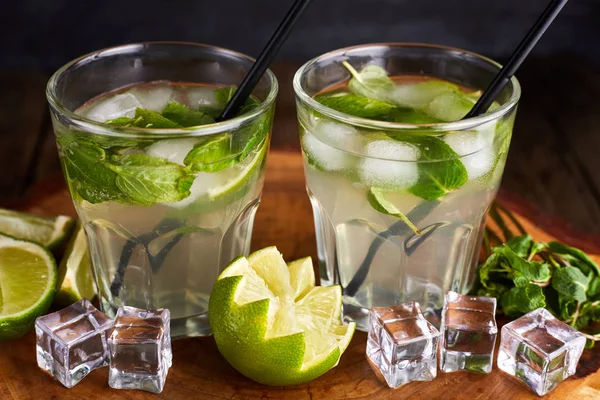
pixel 75 272
pixel 268 335
pixel 49 232
pixel 27 285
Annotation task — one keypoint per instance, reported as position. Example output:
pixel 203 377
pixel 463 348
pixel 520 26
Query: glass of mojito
pixel 166 195
pixel 400 184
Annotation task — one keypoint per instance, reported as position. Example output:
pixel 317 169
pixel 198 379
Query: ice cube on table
pixel 539 350
pixel 140 349
pixel 328 144
pixel 402 344
pixel 72 342
pixel 389 164
pixel 475 149
pixel 153 97
pixel 173 150
pixel 468 333
pixel 120 105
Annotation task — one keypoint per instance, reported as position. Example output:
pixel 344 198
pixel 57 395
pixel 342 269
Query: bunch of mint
pixel 100 168
pixel 524 274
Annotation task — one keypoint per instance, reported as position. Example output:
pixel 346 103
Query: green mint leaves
pixel 148 180
pixel 378 201
pixel 524 275
pixel 211 155
pixel 186 117
pixel 102 168
pixel 440 169
pixel 372 82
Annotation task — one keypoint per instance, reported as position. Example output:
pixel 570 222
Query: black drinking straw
pixel 264 60
pixel 237 101
pixel 484 102
pixel 517 58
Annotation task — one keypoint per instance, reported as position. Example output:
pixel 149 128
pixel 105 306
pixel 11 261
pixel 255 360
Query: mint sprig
pixel 524 274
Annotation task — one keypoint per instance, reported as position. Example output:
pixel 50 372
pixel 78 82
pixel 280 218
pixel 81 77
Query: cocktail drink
pixel 166 194
pixel 400 185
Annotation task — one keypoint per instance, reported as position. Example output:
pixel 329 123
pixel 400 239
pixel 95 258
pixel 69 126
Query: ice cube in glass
pixel 140 349
pixel 468 333
pixel 539 350
pixel 402 344
pixel 72 342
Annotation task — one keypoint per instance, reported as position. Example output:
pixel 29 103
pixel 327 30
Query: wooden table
pixel 551 164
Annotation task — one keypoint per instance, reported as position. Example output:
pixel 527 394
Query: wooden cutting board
pixel 285 219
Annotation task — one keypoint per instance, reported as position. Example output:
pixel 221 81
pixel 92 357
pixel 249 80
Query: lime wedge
pixel 49 232
pixel 378 201
pixel 27 285
pixel 266 330
pixel 236 176
pixel 302 277
pixel 75 272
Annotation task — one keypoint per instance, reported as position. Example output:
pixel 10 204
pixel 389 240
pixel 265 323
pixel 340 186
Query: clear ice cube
pixel 328 142
pixel 402 344
pixel 173 150
pixel 121 105
pixel 468 333
pixel 140 349
pixel 72 342
pixel 390 164
pixel 153 97
pixel 475 149
pixel 539 350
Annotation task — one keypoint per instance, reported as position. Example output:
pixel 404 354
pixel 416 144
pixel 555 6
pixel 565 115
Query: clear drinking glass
pixel 376 257
pixel 164 253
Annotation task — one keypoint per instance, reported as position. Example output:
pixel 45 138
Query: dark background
pixel 554 159
pixel 44 34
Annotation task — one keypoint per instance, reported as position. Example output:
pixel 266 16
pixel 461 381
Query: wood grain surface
pixel 284 219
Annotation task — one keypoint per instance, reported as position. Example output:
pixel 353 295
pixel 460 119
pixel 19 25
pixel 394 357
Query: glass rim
pixel 96 127
pixel 433 127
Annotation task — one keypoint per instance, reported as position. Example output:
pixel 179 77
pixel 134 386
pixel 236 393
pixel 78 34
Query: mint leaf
pixel 521 245
pixel 376 198
pixel 152 120
pixel 225 94
pixel 440 170
pixel 593 292
pixel 148 180
pixel 185 116
pixel 121 121
pixel 491 275
pixel 570 282
pixel 521 300
pixel 86 168
pixel 211 155
pixel 530 270
pixel 372 81
pixel 584 262
pixel 412 116
pixel 359 106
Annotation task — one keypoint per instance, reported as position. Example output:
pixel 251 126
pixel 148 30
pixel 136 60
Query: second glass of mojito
pixel 400 185
pixel 166 194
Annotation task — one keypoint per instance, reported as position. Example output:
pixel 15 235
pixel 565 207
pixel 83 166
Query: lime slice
pixel 27 285
pixel 378 201
pixel 236 176
pixel 49 232
pixel 75 272
pixel 272 324
pixel 302 276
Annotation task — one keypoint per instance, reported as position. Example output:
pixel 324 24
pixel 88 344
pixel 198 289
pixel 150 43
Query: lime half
pixel 49 232
pixel 27 285
pixel 266 330
pixel 75 272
